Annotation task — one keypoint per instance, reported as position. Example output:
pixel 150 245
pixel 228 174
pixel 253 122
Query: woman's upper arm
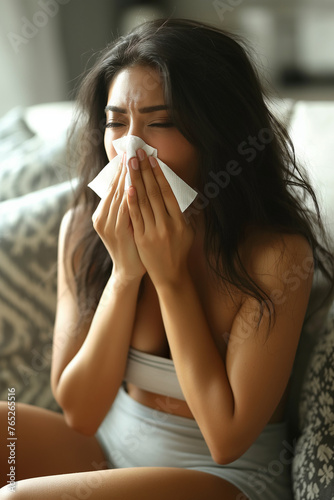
pixel 67 340
pixel 259 358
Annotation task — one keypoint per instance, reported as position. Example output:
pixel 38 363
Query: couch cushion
pixel 313 464
pixel 13 131
pixel 311 129
pixel 29 228
pixel 31 160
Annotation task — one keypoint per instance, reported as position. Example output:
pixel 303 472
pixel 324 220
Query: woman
pixel 201 301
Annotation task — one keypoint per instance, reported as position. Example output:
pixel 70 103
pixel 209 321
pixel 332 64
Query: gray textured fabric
pixel 29 228
pixel 28 162
pixel 33 199
pixel 313 465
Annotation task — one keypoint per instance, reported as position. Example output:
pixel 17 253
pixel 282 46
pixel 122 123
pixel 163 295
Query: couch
pixel 35 189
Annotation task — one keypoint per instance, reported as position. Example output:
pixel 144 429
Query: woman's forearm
pixel 90 381
pixel 199 365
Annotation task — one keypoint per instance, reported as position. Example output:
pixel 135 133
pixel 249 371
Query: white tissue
pixel 129 144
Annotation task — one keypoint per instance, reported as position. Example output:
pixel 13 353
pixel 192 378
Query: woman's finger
pixel 118 191
pixel 137 173
pixel 103 210
pixel 159 193
pixel 153 191
pixel 135 212
pixel 165 189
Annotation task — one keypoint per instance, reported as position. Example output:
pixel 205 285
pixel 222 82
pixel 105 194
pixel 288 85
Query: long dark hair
pixel 248 174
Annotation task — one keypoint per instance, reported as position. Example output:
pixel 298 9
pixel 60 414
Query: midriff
pixel 178 407
pixel 159 402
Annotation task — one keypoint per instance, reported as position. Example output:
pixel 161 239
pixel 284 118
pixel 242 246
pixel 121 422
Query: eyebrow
pixel 147 109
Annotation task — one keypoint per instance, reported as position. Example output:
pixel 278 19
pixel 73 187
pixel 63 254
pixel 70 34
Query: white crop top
pixel 153 373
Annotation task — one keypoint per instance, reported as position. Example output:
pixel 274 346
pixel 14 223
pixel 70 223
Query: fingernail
pixel 152 161
pixel 141 154
pixel 131 191
pixel 134 163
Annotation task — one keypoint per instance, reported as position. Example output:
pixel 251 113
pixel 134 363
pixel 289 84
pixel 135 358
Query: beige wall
pixel 46 63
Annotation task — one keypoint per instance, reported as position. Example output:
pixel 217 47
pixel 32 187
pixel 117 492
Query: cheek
pixel 109 148
pixel 183 160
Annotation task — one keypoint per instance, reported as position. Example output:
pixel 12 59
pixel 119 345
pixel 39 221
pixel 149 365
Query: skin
pixel 180 313
pixel 134 90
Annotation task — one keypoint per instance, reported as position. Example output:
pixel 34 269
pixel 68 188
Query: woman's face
pixel 136 106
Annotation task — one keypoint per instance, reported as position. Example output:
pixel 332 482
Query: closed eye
pixel 157 124
pixel 162 124
pixel 113 125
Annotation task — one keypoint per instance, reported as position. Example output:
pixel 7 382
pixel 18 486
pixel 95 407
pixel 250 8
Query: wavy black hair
pixel 248 173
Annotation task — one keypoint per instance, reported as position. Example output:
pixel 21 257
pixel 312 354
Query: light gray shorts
pixel 133 435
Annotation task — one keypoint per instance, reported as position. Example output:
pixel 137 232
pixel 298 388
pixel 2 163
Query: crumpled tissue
pixel 129 144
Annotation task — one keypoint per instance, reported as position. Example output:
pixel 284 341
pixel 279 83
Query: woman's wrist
pixel 120 279
pixel 176 284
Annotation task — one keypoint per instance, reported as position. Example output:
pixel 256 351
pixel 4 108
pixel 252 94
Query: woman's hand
pixel 111 220
pixel 162 235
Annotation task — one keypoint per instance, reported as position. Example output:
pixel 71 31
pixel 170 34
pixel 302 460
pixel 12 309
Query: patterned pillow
pixel 13 131
pixel 29 227
pixel 313 465
pixel 28 162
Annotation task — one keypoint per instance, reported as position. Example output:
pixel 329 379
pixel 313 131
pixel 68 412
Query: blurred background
pixel 46 45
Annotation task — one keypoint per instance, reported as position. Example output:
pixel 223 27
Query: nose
pixel 136 129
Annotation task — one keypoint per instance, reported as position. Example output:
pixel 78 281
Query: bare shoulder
pixel 74 220
pixel 71 231
pixel 275 259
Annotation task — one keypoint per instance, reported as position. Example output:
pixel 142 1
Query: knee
pixel 6 492
pixel 9 492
